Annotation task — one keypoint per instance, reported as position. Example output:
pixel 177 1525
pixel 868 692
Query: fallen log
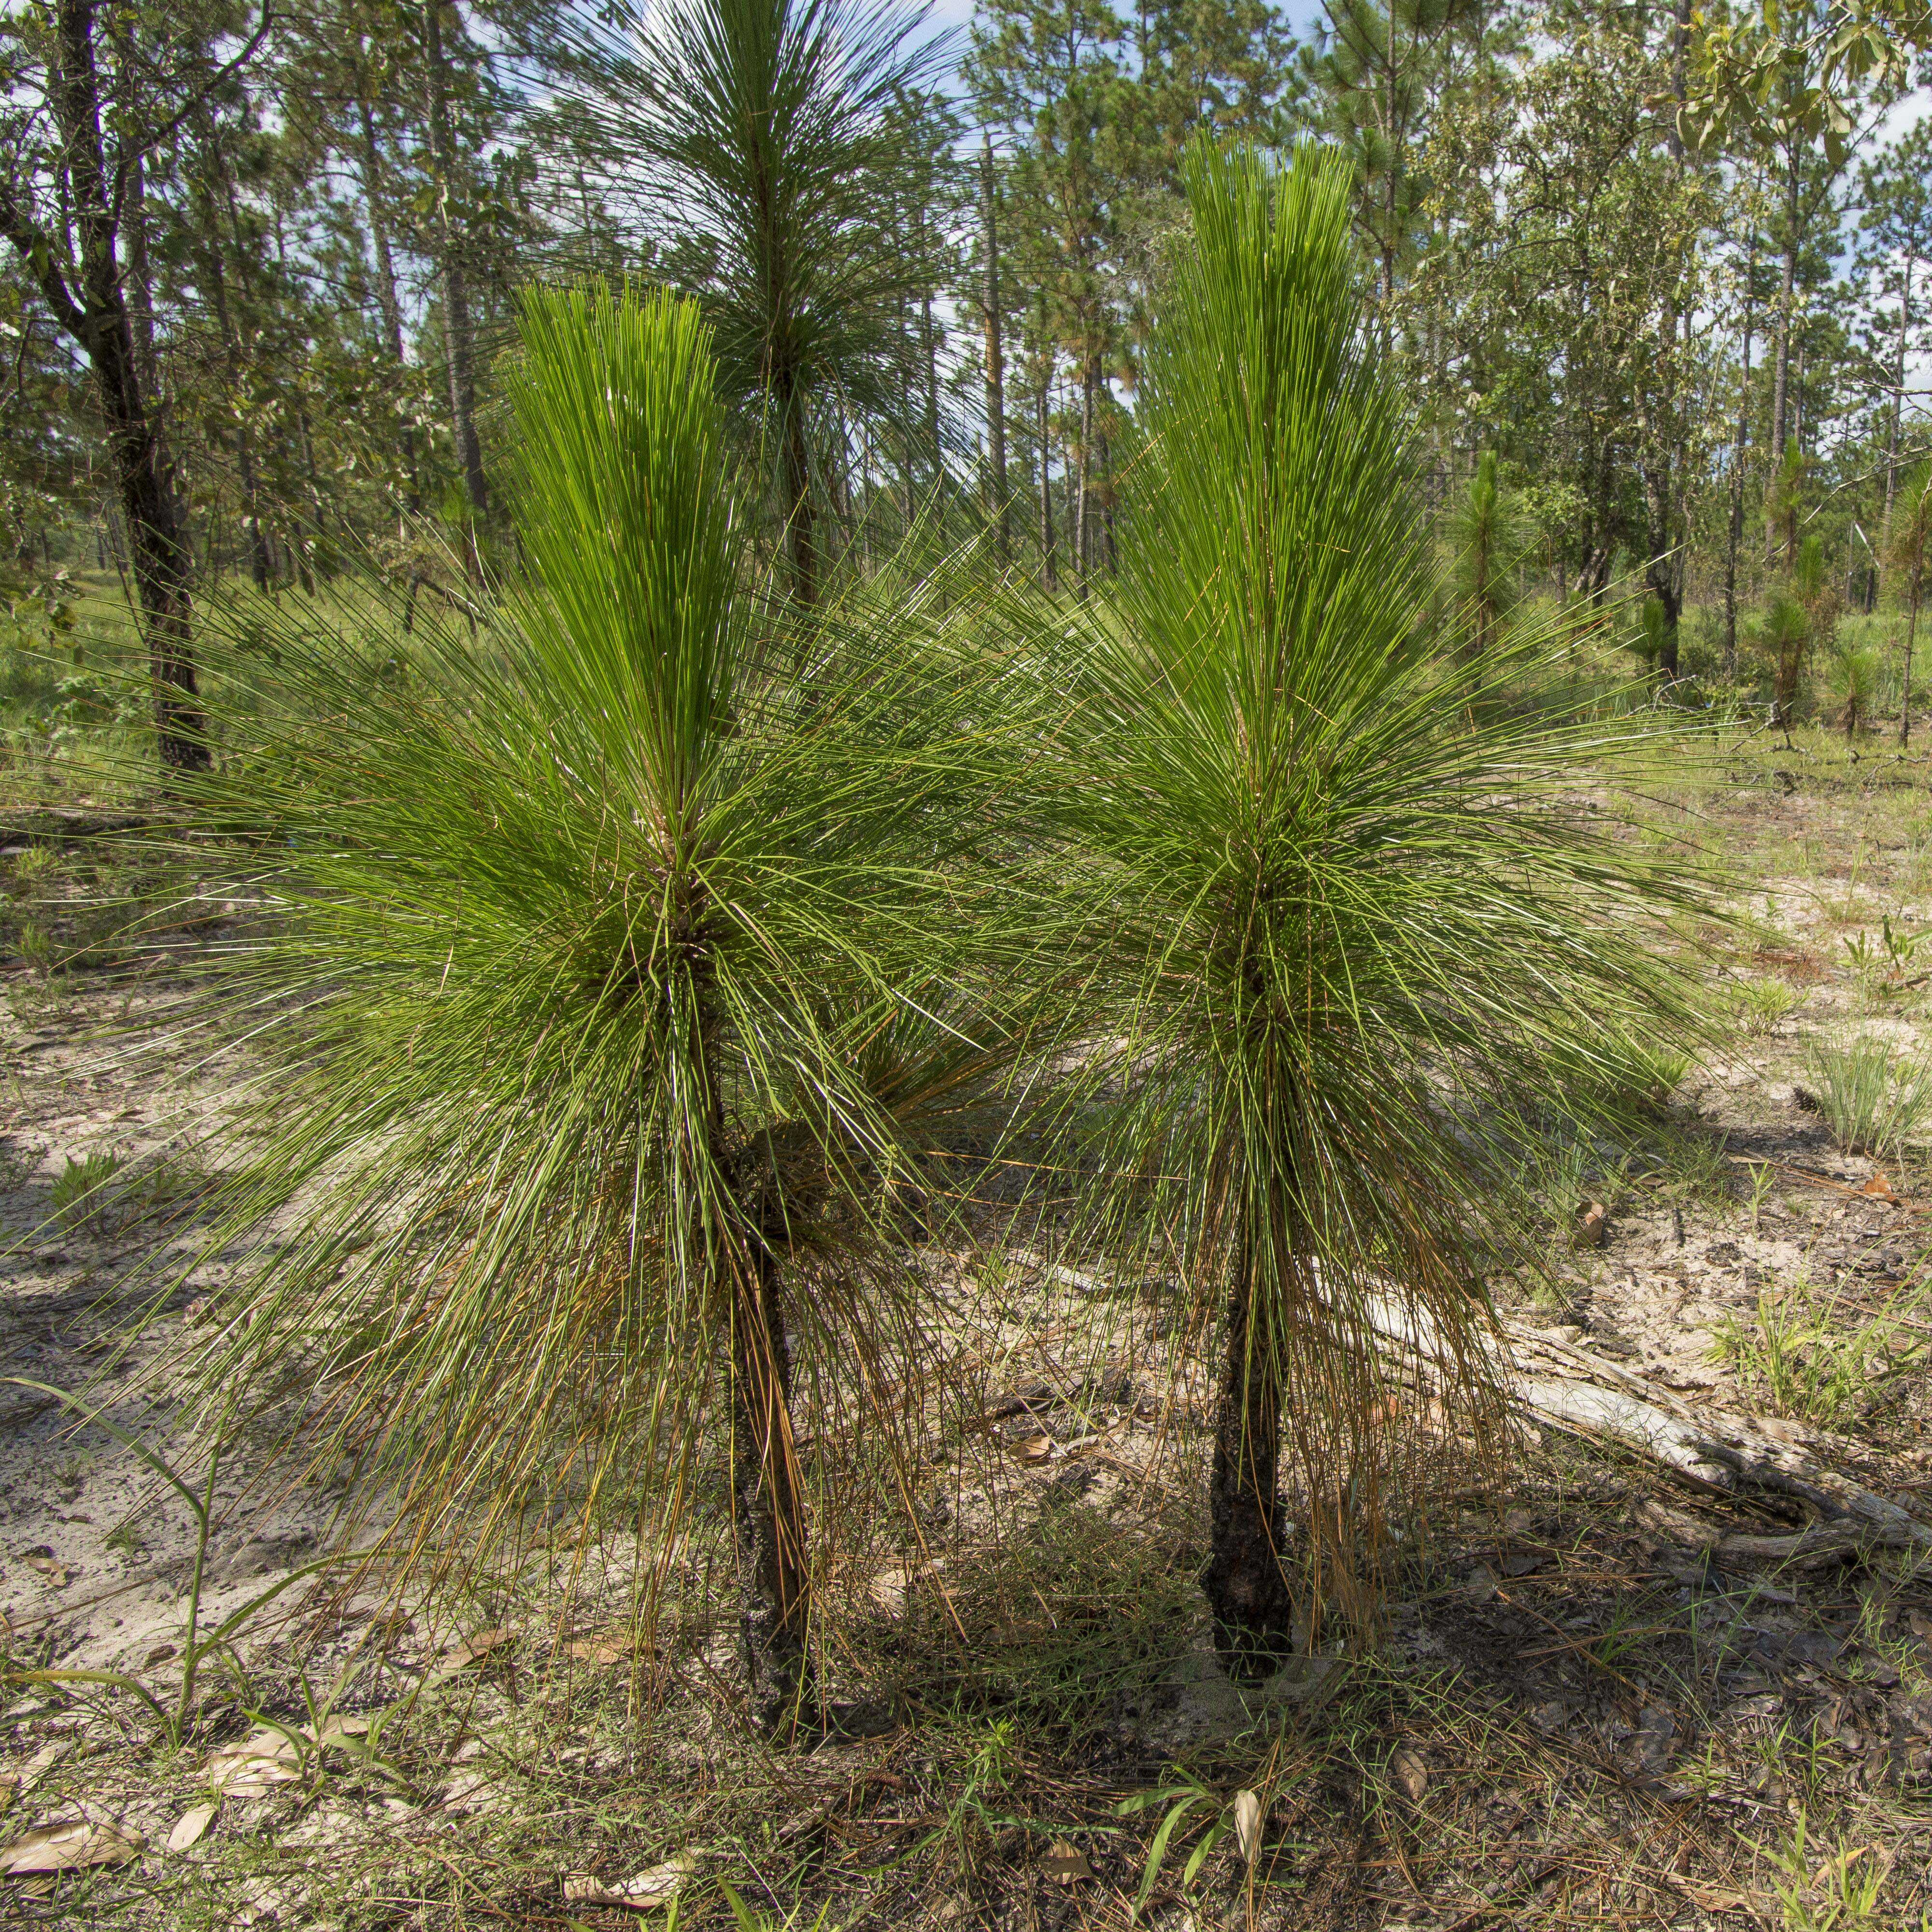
pixel 1560 1385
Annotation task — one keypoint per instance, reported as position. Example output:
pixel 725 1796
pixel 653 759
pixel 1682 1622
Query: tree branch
pixel 226 70
pixel 36 250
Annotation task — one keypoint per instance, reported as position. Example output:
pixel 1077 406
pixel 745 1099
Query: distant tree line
pixel 1667 279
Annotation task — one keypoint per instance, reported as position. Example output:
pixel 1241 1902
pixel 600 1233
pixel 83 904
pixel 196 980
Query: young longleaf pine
pixel 1356 929
pixel 600 997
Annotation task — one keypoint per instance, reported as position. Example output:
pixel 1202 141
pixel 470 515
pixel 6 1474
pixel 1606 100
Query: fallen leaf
pixel 43 1760
pixel 1713 1897
pixel 460 1656
pixel 598 1649
pixel 480 1644
pixel 644 1893
pixel 1033 1448
pixel 1248 1824
pixel 1065 1864
pixel 261 1761
pixel 57 1848
pixel 892 1585
pixel 1410 1773
pixel 190 1825
pixel 1593 1224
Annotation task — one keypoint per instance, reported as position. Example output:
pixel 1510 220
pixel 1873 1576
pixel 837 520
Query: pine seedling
pixel 1490 536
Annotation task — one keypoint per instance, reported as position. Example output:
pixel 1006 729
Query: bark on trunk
pixel 774 1581
pixel 387 298
pixel 1245 1583
pixel 459 336
pixel 1734 536
pixel 1665 588
pixel 927 341
pixel 1896 414
pixel 1780 376
pixel 215 275
pixel 799 532
pixel 996 366
pixel 1083 532
pixel 94 313
pixel 1049 574
pixel 140 273
pixel 1913 590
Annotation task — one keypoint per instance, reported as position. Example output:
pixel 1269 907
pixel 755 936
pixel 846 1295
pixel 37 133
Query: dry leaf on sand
pixel 1033 1448
pixel 262 1759
pixel 190 1826
pixel 459 1655
pixel 644 1893
pixel 266 1756
pixel 1065 1864
pixel 605 1649
pixel 1248 1824
pixel 57 1848
pixel 1409 1774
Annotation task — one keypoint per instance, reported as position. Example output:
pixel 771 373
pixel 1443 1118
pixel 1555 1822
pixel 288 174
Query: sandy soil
pixel 96 1552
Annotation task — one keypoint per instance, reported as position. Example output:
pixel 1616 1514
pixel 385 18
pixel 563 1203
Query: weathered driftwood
pixel 1560 1385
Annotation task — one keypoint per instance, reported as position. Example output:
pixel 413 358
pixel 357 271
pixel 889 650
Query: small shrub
pixel 1871 1105
pixel 1634 1072
pixel 77 1190
pixel 1759 1006
pixel 1812 1366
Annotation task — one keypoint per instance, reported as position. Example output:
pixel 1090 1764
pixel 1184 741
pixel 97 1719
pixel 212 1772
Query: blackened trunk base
pixel 773 1582
pixel 1245 1583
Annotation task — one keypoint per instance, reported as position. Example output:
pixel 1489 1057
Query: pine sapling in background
pixel 1911 553
pixel 1489 537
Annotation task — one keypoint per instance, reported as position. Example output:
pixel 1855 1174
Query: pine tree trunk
pixel 140 274
pixel 1245 1583
pixel 1734 538
pixel 928 347
pixel 799 531
pixel 387 298
pixel 215 277
pixel 458 335
pixel 1049 575
pixel 1083 534
pixel 1781 372
pixel 1911 638
pixel 94 313
pixel 996 377
pixel 1897 413
pixel 774 1581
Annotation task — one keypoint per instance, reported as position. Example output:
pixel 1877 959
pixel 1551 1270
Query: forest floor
pixel 1581 1714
